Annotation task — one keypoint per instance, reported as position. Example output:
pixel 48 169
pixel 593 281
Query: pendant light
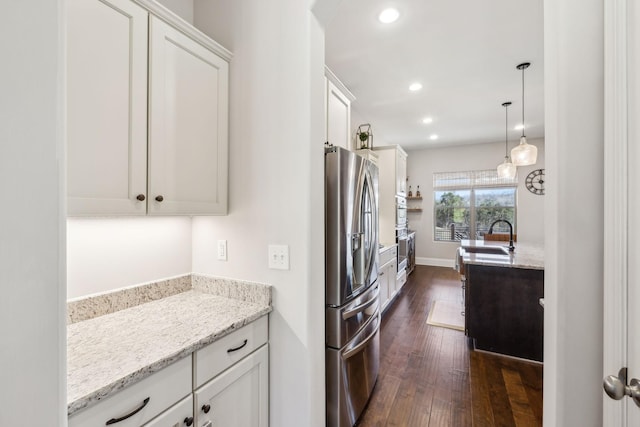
pixel 506 169
pixel 524 154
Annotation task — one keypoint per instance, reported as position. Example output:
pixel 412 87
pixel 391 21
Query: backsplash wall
pixel 110 253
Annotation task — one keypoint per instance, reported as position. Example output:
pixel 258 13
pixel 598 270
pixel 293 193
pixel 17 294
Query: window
pixel 466 203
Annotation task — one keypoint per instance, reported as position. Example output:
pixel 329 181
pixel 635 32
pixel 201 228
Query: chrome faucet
pixel 511 247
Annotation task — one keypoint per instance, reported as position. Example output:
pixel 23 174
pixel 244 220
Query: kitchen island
pixel 502 294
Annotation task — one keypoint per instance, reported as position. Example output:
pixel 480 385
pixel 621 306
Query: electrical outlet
pixel 222 250
pixel 279 257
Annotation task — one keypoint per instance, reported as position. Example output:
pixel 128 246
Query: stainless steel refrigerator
pixel 352 308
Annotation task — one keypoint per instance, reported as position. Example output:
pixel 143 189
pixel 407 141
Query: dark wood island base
pixel 502 310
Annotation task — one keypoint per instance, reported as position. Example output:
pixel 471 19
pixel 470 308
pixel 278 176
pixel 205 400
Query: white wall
pixel 573 213
pixel 105 254
pixel 421 164
pixel 182 8
pixel 32 353
pixel 276 186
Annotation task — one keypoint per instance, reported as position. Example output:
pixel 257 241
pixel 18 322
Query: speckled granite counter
pixel 526 255
pixel 108 353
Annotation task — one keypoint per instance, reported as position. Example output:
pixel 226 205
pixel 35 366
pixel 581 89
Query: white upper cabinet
pixel 338 111
pixel 188 117
pixel 106 107
pixel 392 181
pixel 129 73
pixel 401 171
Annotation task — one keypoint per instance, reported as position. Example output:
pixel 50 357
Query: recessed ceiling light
pixel 518 127
pixel 388 16
pixel 415 87
pixel 427 120
pixel 433 137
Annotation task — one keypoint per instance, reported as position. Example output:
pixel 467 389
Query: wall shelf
pixel 414 210
pixel 414 198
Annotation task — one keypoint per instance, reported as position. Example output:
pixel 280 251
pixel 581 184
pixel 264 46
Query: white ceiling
pixel 464 52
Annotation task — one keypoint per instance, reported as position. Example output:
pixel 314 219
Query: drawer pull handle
pixel 206 408
pixel 231 350
pixel 117 420
pixel 188 421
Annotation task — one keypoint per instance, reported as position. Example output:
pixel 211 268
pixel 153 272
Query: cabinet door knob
pixel 188 421
pixel 141 197
pixel 206 408
pixel 159 198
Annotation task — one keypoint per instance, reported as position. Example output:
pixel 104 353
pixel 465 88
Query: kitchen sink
pixel 494 250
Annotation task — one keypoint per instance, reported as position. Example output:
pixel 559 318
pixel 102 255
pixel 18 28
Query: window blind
pixel 471 179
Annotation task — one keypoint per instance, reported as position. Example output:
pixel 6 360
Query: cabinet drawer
pixel 159 391
pixel 218 356
pixel 388 255
pixel 180 414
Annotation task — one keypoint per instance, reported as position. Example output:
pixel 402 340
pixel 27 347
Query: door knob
pixel 616 387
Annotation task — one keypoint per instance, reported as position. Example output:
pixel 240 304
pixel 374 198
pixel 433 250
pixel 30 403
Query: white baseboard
pixel 435 262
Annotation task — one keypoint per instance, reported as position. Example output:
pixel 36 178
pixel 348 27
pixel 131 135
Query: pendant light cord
pixel 506 131
pixel 523 68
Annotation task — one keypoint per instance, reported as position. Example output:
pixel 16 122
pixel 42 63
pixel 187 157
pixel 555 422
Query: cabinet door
pixel 384 288
pixel 179 415
pixel 338 117
pixel 401 172
pixel 393 278
pixel 188 122
pixel 239 396
pixel 106 107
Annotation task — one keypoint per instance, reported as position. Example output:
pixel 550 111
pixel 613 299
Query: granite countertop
pixel 108 353
pixel 526 255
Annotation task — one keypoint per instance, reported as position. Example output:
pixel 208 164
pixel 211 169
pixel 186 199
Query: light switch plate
pixel 279 257
pixel 222 250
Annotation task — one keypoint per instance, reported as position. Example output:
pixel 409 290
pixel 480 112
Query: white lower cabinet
pixel 224 384
pixel 401 279
pixel 238 397
pixel 387 274
pixel 211 360
pixel 141 402
pixel 179 415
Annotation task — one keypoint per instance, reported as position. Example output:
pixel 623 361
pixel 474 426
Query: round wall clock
pixel 535 182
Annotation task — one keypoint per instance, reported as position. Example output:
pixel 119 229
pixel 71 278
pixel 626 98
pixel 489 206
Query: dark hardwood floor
pixel 430 378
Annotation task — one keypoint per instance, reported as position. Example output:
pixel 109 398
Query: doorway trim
pixel 615 198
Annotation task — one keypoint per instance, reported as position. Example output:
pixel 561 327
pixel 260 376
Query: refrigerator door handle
pixel 360 308
pixel 357 349
pixel 356 241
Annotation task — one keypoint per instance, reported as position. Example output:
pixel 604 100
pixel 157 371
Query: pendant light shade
pixel 524 154
pixel 506 169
